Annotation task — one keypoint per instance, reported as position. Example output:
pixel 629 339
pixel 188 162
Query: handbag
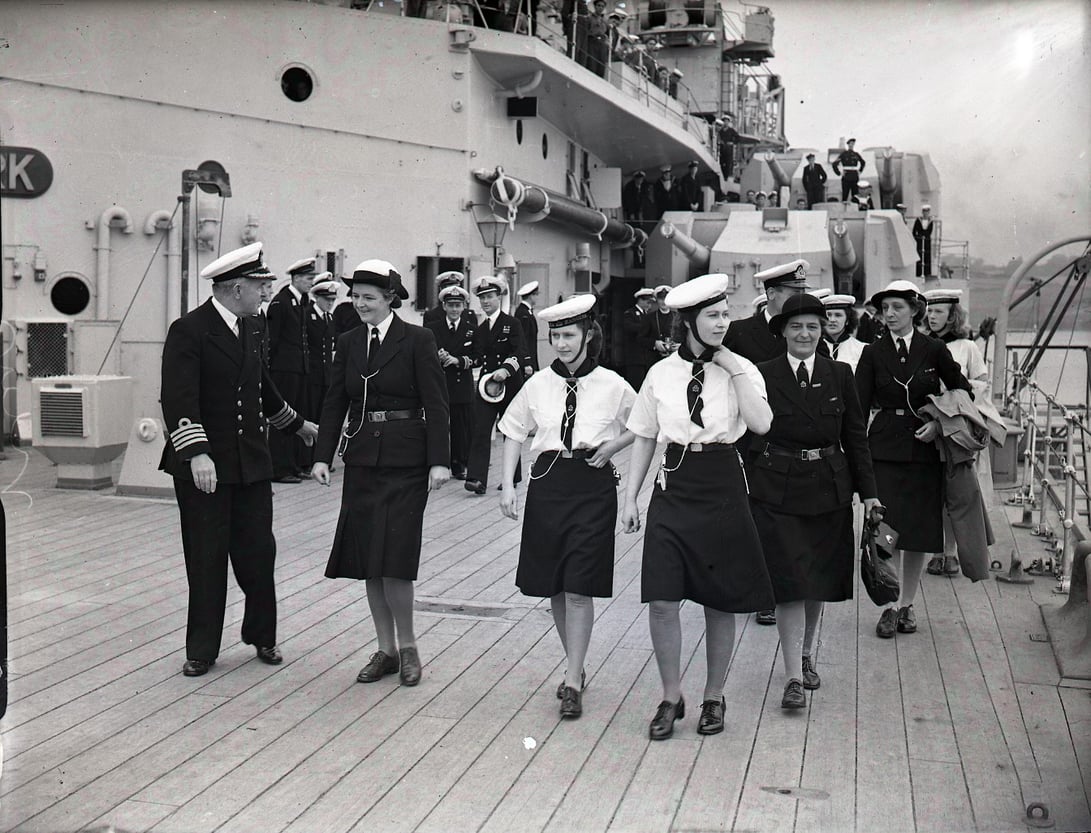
pixel 877 543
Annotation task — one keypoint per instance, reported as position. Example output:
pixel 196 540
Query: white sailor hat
pixel 240 263
pixel 644 292
pixel 491 283
pixel 863 183
pixel 942 296
pixel 639 173
pixel 451 278
pixel 899 205
pixel 662 289
pixel 454 290
pixel 325 285
pixel 926 207
pixel 821 294
pixel 665 169
pixel 379 273
pixel 569 311
pixel 527 289
pixel 792 274
pixel 896 289
pixel 306 266
pixel 490 390
pixel 699 292
pixel 676 72
pixel 759 301
pixel 839 301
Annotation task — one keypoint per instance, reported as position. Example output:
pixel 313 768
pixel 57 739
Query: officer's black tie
pixel 903 354
pixel 802 377
pixel 568 421
pixel 693 393
pixel 373 351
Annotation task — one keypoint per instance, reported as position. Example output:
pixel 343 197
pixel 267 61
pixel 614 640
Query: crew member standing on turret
pixel 289 364
pixel 524 314
pixel 689 189
pixel 922 233
pixel 814 181
pixel 849 165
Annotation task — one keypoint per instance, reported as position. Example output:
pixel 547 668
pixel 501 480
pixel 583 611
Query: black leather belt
pixel 392 416
pixel 897 411
pixel 803 454
pixel 574 454
pixel 705 448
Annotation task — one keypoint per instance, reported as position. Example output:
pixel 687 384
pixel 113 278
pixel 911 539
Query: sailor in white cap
pixel 862 197
pixel 842 319
pixel 289 363
pixel 849 165
pixel 576 410
pixel 386 416
pixel 442 281
pixel 321 340
pixel 636 357
pixel 218 403
pixel 700 542
pixel 455 339
pixel 802 475
pixel 759 301
pixel 524 314
pixel 895 376
pixel 923 227
pixel 658 326
pixel 499 352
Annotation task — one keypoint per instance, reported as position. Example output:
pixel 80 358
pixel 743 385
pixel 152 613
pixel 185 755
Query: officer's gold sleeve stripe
pixel 185 437
pixel 283 418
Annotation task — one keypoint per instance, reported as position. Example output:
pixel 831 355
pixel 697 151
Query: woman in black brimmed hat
pixel 895 376
pixel 700 543
pixel 396 447
pixel 802 475
pixel 577 411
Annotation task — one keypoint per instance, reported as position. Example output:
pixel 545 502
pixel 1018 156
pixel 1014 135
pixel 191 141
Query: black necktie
pixel 568 421
pixel 373 351
pixel 802 377
pixel 903 354
pixel 693 393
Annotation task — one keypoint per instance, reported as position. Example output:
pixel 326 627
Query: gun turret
pixel 698 255
pixel 844 254
pixel 779 175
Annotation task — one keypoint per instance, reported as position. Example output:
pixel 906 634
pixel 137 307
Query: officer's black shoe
pixel 475 486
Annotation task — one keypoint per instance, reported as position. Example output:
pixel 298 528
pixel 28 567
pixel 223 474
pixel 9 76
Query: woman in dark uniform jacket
pixel 700 543
pixel 895 379
pixel 802 475
pixel 396 447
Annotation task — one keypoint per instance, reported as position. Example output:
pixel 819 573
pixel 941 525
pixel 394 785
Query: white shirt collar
pixel 907 338
pixel 793 363
pixel 383 327
pixel 492 318
pixel 295 292
pixel 230 319
pixel 768 315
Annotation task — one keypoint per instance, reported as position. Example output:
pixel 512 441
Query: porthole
pixel 296 83
pixel 545 146
pixel 70 295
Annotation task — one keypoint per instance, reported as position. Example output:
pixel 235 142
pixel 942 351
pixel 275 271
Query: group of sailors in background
pixel 762 425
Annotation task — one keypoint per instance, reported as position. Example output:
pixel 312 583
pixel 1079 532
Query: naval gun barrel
pixel 887 180
pixel 779 175
pixel 844 254
pixel 698 254
pixel 528 199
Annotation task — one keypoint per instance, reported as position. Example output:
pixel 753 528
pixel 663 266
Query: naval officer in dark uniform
pixel 218 400
pixel 524 314
pixel 455 343
pixel 498 352
pixel 321 338
pixel 814 181
pixel 289 362
pixel 801 476
pixel 636 358
pixel 849 165
pixel 444 280
pixel 395 446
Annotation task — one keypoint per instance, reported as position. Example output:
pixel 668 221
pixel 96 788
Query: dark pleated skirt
pixel 379 529
pixel 568 529
pixel 810 557
pixel 700 542
pixel 913 496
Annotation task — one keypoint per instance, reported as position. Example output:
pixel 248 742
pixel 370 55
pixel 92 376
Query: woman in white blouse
pixel 577 411
pixel 842 319
pixel 700 543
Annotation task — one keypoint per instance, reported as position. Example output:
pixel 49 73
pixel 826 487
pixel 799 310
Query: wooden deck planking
pixel 303 747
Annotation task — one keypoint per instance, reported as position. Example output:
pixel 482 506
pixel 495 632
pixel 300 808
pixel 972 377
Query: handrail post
pixel 1063 569
pixel 1047 448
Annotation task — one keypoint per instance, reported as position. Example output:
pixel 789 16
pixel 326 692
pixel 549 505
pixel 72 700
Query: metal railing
pixel 1054 473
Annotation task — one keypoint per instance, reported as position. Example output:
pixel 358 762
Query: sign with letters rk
pixel 24 172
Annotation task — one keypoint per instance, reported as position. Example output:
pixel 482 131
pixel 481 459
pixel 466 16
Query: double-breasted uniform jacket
pixel 437 313
pixel 321 340
pixel 529 325
pixel 217 398
pixel 408 378
pixel 826 414
pixel 814 182
pixel 632 325
pixel 460 344
pixel 896 390
pixel 501 346
pixel 288 347
pixel 752 339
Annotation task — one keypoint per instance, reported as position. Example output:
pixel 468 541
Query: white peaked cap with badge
pixel 527 288
pixel 455 290
pixel 644 292
pixel 792 274
pixel 306 266
pixel 759 300
pixel 839 301
pixel 699 292
pixel 325 285
pixel 239 263
pixel 943 296
pixel 821 294
pixel 490 283
pixel 568 311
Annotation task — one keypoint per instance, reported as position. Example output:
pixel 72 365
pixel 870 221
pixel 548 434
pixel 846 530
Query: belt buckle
pixel 697 447
pixel 812 454
pixel 377 416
